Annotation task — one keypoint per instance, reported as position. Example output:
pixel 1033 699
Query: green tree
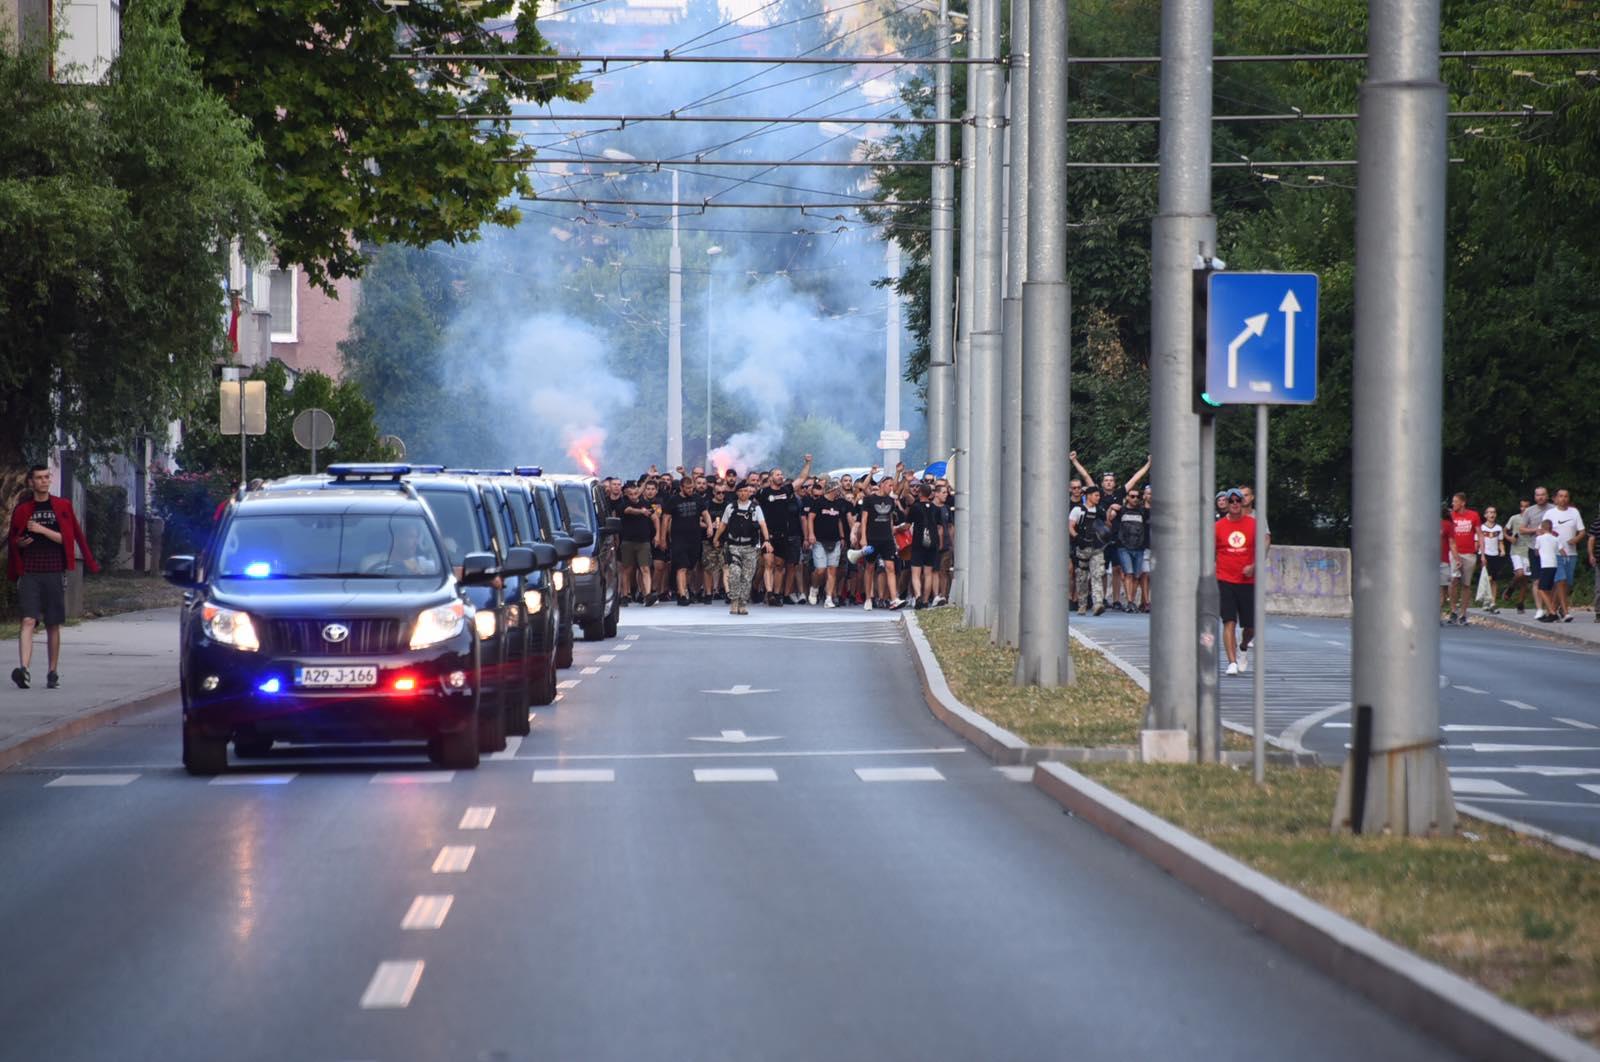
pixel 354 152
pixel 117 203
pixel 355 431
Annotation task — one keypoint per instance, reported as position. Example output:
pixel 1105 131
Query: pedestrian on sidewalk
pixel 1235 536
pixel 1492 547
pixel 1464 545
pixel 1549 547
pixel 1532 519
pixel 44 532
pixel 1519 536
pixel 1568 527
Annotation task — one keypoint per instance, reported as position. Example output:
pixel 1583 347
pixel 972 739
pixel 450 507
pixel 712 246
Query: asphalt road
pixel 610 899
pixel 1521 716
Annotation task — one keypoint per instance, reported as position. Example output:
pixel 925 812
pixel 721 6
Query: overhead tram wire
pixel 1131 119
pixel 905 60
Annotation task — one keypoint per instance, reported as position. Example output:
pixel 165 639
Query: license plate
pixel 336 676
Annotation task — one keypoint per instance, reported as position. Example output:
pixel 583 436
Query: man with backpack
pixel 1090 535
pixel 1131 532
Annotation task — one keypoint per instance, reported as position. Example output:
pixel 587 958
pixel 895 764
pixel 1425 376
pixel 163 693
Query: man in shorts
pixel 1532 518
pixel 1464 525
pixel 1235 536
pixel 44 533
pixel 687 521
pixel 827 528
pixel 711 565
pixel 1518 537
pixel 880 513
pixel 927 542
pixel 634 554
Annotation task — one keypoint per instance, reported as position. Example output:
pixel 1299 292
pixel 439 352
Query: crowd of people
pixel 883 540
pixel 1536 549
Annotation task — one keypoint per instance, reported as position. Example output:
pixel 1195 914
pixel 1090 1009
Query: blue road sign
pixel 1261 339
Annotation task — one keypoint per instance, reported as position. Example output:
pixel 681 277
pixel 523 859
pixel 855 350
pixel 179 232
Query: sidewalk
pixel 109 668
pixel 1583 630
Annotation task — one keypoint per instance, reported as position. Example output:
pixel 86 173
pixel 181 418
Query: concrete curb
pixel 1548 632
pixel 1451 1008
pixel 55 733
pixel 995 742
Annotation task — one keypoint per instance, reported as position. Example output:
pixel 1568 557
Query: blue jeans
pixel 1566 568
pixel 1131 561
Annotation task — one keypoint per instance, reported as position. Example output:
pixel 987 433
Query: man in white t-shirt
pixel 1568 528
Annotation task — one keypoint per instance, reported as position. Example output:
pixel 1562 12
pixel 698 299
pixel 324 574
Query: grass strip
pixel 1102 708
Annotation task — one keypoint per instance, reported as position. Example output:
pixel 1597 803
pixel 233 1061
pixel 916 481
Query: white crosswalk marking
pixel 605 658
pixel 392 985
pixel 1482 787
pixel 77 781
pixel 420 778
pixel 1595 789
pixel 567 684
pixel 253 779
pixel 594 774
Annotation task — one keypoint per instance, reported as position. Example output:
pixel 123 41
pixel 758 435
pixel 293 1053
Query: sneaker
pixel 1564 619
pixel 1545 619
pixel 1244 661
pixel 684 602
pixel 828 602
pixel 1450 620
pixel 938 599
pixel 796 599
pixel 733 610
pixel 1522 611
pixel 1462 621
pixel 52 681
pixel 897 603
pixel 1538 613
pixel 1233 669
pixel 777 601
pixel 650 599
pixel 20 676
pixel 811 598
pixel 868 605
pixel 626 601
pixel 1082 611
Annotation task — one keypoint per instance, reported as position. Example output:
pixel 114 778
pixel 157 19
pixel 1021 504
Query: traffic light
pixel 1203 403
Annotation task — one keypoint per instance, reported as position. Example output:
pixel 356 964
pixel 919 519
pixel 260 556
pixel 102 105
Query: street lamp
pixel 711 255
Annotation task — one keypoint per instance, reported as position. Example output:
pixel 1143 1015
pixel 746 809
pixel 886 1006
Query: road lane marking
pixel 579 775
pixel 899 774
pixel 619 648
pixel 392 984
pixel 1544 771
pixel 418 778
pixel 69 781
pixel 1579 723
pixel 427 912
pixel 1482 787
pixel 1482 747
pixel 738 737
pixel 1595 789
pixel 1294 735
pixel 589 671
pixel 1519 704
pixel 1471 689
pixel 454 859
pixel 631 638
pixel 476 818
pixel 567 684
pixel 738 691
pixel 1017 773
pixel 1538 803
pixel 605 658
pixel 759 754
pixel 253 779
pixel 1291 627
pixel 735 774
pixel 513 743
pixel 1491 728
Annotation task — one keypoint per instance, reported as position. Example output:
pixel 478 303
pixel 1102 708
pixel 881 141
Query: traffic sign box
pixel 1261 338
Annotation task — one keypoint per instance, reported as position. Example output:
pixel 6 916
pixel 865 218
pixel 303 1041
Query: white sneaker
pixel 1244 662
pixel 827 602
pixel 1233 669
pixel 868 605
pixel 811 598
pixel 898 602
pixel 938 599
pixel 1538 613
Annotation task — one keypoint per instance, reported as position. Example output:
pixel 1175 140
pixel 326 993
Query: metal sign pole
pixel 244 465
pixel 1260 592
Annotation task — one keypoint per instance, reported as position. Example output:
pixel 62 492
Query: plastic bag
pixel 1485 594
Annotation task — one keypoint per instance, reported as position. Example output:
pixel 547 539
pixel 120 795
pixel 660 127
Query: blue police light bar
pixel 459 471
pixel 494 472
pixel 529 470
pixel 427 468
pixel 357 470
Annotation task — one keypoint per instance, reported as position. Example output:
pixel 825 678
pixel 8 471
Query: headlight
pixel 513 616
pixel 582 565
pixel 534 602
pixel 439 624
pixel 483 623
pixel 228 626
pixel 558 579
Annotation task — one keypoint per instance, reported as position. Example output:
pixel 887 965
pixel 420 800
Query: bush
pixel 107 516
pixel 187 503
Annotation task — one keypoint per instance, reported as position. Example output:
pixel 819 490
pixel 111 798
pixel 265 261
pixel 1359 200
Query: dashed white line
pixel 513 743
pixel 1579 723
pixel 1288 626
pixel 899 774
pixel 454 859
pixel 1482 787
pixel 567 684
pixel 427 912
pixel 1520 704
pixel 1471 689
pixel 631 638
pixel 735 774
pixel 620 648
pixel 253 779
pixel 595 774
pixel 392 984
pixel 605 658
pixel 1336 645
pixel 70 781
pixel 476 818
pixel 420 778
pixel 589 671
pixel 1022 773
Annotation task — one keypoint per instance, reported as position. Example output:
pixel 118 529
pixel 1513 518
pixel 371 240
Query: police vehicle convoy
pixel 388 602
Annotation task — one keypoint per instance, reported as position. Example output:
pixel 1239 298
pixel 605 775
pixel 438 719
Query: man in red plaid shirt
pixel 44 532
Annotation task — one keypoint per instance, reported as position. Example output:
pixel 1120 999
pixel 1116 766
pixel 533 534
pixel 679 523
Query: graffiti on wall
pixel 1308 571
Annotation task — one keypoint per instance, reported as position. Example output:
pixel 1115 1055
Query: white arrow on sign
pixel 1290 306
pixel 1253 326
pixel 736 737
pixel 738 691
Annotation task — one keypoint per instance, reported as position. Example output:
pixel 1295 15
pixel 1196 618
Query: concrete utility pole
pixel 1184 230
pixel 941 266
pixel 1046 352
pixel 675 340
pixel 1398 398
pixel 891 352
pixel 983 465
pixel 1008 615
pixel 964 300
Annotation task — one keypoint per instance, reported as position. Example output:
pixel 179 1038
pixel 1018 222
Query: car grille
pixel 303 637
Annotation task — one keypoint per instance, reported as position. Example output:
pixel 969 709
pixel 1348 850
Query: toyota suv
pixel 333 612
pixel 596 569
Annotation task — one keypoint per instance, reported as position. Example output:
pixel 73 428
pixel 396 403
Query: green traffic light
pixel 1205 396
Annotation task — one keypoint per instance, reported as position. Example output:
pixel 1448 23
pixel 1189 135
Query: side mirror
pixel 478 568
pixel 582 536
pixel 566 549
pixel 519 560
pixel 179 571
pixel 544 556
pixel 613 525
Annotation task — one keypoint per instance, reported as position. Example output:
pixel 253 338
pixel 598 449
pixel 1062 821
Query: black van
pixel 596 568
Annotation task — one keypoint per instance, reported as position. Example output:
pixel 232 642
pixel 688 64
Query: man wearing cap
pixel 1235 536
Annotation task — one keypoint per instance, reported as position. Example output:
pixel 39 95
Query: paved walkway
pixel 106 665
pixel 1584 628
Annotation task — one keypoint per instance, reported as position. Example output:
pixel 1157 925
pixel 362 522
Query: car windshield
pixel 457 522
pixel 576 495
pixel 329 545
pixel 517 503
pixel 549 515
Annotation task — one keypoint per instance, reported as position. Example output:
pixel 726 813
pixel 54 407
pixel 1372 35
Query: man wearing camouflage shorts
pixel 743 529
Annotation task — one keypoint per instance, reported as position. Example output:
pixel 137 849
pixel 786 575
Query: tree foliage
pixel 354 151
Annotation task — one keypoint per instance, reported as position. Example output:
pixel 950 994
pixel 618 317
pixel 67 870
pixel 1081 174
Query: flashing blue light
pixel 272 685
pixel 529 470
pixel 357 470
pixel 258 569
pixel 427 468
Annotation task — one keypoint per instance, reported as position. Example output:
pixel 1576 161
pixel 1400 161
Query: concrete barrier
pixel 1308 581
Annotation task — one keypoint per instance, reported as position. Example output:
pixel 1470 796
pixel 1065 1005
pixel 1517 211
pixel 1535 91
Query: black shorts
pixel 1238 603
pixel 1533 566
pixel 685 554
pixel 924 557
pixel 1546 578
pixel 1499 566
pixel 43 596
pixel 884 551
pixel 659 554
pixel 786 549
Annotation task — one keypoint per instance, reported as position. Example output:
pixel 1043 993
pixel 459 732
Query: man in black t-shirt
pixel 927 542
pixel 880 513
pixel 638 533
pixel 711 562
pixel 780 509
pixel 687 522
pixel 827 528
pixel 1131 533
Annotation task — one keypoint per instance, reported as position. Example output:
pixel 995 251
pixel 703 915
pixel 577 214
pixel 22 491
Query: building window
pixel 284 303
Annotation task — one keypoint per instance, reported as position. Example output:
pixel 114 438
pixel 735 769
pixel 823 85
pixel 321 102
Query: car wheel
pixel 254 747
pixel 564 650
pixel 203 754
pixel 457 749
pixel 492 731
pixel 544 691
pixel 594 632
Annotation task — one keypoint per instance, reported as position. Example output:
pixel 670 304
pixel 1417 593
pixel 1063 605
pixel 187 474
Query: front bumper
pixel 589 597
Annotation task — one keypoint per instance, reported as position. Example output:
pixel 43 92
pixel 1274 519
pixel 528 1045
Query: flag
pixel 233 324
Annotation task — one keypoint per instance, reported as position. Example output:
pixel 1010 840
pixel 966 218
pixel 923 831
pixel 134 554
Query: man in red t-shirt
pixel 1464 524
pixel 1236 577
